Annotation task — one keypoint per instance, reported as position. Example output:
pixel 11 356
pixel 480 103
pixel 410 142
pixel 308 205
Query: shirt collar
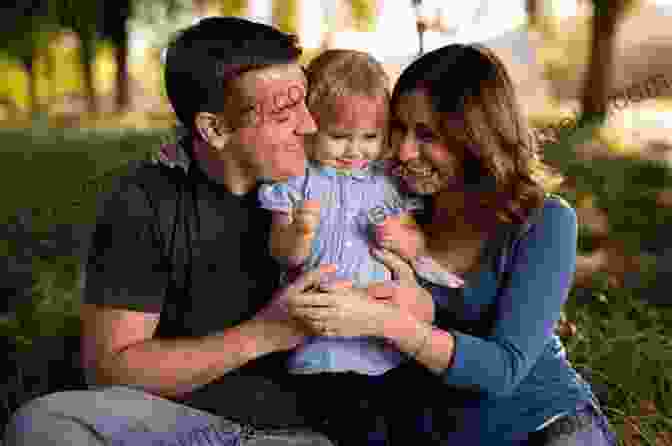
pixel 173 155
pixel 366 174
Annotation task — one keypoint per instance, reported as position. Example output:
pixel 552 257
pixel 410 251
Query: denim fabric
pixel 586 426
pixel 122 416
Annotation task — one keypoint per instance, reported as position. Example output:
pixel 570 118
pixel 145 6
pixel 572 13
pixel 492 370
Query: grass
pixel 626 342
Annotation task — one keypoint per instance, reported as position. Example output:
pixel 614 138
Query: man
pixel 181 336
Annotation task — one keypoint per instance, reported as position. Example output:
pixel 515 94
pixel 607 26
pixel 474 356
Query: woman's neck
pixel 458 216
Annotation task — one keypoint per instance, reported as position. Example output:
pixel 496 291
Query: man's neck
pixel 225 171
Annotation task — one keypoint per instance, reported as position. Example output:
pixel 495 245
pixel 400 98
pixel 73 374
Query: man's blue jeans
pixel 122 416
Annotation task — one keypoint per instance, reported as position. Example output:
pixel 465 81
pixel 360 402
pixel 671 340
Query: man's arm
pixel 125 280
pixel 118 349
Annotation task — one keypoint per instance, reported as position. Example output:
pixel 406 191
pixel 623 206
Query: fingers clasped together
pixel 338 309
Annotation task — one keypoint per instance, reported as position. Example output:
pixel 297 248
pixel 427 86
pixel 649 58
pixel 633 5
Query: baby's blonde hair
pixel 340 72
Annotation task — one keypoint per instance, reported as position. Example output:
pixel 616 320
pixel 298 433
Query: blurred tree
pixel 285 15
pixel 25 30
pixel 232 7
pixel 363 14
pixel 83 17
pixel 346 14
pixel 114 18
pixel 534 12
pixel 607 14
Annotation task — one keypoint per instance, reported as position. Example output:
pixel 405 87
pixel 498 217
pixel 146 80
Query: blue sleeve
pixel 527 310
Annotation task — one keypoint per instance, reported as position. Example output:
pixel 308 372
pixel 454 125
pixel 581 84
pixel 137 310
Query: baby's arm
pixel 292 232
pixel 402 235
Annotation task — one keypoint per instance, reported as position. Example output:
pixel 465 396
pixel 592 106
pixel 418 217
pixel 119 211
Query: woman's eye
pixel 371 136
pixel 424 135
pixel 337 136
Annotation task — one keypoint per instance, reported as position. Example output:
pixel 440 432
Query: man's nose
pixel 306 122
pixel 408 149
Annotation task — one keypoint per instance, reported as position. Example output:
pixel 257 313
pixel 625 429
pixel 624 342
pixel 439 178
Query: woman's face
pixel 428 164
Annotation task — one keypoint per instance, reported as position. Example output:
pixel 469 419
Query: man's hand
pixel 280 329
pixel 306 218
pixel 404 239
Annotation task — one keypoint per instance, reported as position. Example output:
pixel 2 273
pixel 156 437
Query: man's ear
pixel 213 129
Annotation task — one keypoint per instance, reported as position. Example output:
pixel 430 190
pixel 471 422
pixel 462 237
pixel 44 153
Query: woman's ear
pixel 213 130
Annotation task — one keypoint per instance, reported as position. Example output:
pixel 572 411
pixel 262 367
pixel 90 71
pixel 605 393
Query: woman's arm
pixel 527 310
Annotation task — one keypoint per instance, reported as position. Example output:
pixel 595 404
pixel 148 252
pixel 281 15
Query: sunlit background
pixel 81 96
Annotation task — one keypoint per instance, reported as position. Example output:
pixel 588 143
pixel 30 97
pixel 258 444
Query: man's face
pixel 271 121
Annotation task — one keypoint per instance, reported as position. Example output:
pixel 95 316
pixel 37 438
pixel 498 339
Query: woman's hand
pixel 340 310
pixel 404 290
pixel 407 240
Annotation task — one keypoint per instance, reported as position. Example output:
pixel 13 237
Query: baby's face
pixel 352 132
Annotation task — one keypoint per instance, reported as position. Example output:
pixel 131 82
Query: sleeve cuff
pixel 467 369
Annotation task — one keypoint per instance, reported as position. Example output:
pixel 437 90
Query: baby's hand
pixel 306 218
pixel 403 238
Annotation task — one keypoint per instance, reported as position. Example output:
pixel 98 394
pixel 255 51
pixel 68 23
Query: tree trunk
pixel 599 76
pixel 123 80
pixel 87 55
pixel 119 36
pixel 29 65
pixel 200 8
pixel 32 87
pixel 533 9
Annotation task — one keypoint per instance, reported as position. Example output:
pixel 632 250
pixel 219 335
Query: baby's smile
pixel 353 164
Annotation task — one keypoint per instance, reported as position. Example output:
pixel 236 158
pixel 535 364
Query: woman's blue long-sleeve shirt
pixel 509 368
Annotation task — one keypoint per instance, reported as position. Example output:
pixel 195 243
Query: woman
pixel 489 370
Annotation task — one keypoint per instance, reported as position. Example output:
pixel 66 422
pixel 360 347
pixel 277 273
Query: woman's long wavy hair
pixel 478 111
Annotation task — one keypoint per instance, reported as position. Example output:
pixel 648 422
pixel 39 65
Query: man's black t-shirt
pixel 170 240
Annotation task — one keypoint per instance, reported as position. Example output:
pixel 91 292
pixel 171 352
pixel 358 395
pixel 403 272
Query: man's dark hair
pixel 204 58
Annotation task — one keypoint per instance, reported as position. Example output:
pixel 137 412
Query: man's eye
pixel 371 136
pixel 338 136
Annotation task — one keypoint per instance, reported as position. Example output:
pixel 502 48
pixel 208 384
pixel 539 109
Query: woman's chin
pixel 421 186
